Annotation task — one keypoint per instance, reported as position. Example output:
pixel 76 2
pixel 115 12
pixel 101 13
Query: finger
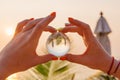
pixel 72 28
pixel 73 58
pixel 69 29
pixel 63 58
pixel 44 58
pixel 68 24
pixel 31 24
pixel 84 30
pixel 21 25
pixel 80 59
pixel 55 58
pixel 78 23
pixel 50 29
pixel 83 27
pixel 40 26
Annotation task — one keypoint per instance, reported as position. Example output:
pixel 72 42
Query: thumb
pixel 74 58
pixel 44 58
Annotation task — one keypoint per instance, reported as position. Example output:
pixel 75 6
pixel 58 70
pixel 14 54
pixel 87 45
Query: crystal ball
pixel 58 44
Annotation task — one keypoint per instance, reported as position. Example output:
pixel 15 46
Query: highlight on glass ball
pixel 58 44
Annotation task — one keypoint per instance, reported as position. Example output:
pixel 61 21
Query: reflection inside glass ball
pixel 58 44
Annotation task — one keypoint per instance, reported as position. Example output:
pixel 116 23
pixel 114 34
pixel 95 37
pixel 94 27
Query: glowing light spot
pixel 9 31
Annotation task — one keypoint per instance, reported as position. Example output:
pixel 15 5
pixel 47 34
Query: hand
pixel 20 53
pixel 95 56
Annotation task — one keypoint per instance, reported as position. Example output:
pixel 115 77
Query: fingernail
pixel 63 58
pixel 71 19
pixel 53 14
pixel 31 18
pixel 55 58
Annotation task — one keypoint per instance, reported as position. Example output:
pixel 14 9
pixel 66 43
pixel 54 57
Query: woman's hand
pixel 20 53
pixel 95 56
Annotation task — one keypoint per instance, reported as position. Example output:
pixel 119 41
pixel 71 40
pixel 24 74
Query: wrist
pixel 117 70
pixel 106 63
pixel 113 66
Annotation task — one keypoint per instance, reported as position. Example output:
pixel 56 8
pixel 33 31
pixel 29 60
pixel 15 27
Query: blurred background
pixel 14 11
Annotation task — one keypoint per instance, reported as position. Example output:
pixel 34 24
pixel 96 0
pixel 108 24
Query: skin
pixel 95 56
pixel 20 53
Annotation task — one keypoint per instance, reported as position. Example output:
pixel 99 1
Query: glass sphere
pixel 58 44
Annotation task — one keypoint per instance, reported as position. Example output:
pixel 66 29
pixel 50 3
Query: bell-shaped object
pixel 102 26
pixel 58 44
